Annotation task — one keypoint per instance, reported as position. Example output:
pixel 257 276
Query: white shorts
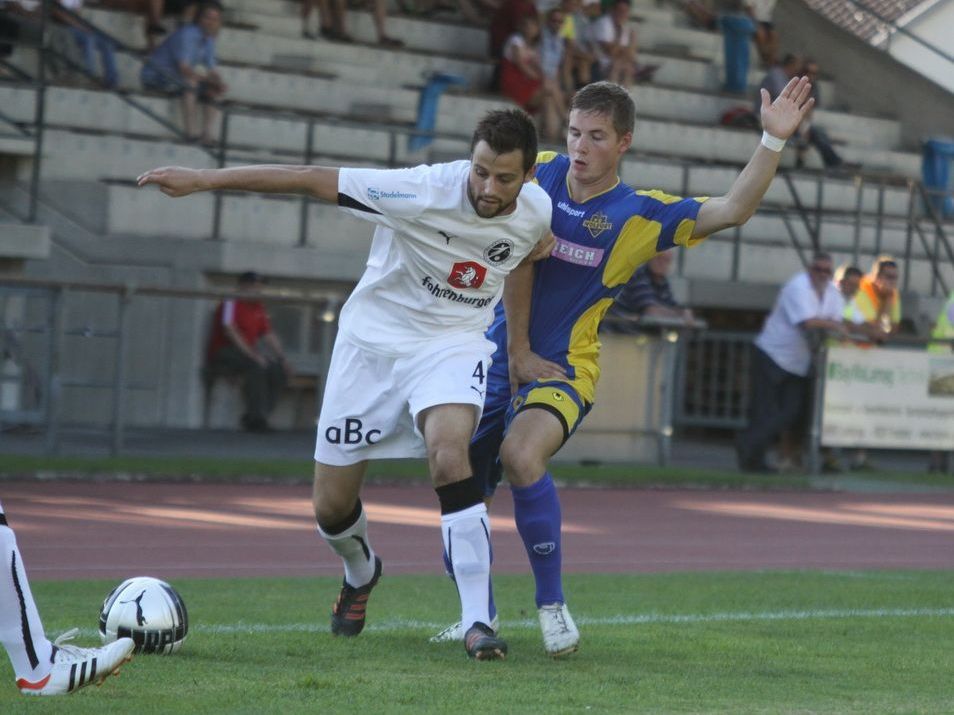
pixel 371 401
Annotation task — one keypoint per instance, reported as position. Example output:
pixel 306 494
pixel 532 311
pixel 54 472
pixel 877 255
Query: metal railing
pixel 33 344
pixel 896 28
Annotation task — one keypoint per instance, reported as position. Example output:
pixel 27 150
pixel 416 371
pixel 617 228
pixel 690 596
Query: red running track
pixel 113 530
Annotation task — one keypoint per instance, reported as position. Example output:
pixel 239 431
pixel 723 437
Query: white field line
pixel 392 625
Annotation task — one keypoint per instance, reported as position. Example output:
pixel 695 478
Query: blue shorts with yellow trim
pixel 558 398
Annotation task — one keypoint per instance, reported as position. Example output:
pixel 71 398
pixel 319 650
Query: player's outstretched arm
pixel 780 119
pixel 319 181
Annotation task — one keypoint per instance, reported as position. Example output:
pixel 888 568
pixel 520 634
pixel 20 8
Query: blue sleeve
pixel 180 46
pixel 209 48
pixel 676 216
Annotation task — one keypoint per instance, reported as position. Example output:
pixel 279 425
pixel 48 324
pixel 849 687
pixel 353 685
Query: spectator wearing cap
pixel 240 329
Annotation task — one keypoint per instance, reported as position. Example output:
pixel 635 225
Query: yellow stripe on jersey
pixel 660 196
pixel 545 157
pixel 636 245
pixel 584 349
pixel 683 235
pixel 558 400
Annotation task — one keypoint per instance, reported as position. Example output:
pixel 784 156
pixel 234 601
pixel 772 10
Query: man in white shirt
pixel 408 370
pixel 782 358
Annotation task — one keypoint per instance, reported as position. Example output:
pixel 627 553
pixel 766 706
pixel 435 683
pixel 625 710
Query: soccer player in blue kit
pixel 544 372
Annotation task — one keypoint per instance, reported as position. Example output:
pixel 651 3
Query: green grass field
pixel 764 642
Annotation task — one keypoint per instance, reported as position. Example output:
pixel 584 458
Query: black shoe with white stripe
pixel 74 668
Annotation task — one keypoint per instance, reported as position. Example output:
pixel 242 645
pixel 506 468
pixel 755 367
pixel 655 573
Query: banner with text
pixel 888 398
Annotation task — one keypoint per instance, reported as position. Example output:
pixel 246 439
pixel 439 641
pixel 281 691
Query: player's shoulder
pixel 537 199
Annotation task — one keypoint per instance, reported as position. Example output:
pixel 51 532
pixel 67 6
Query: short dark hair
pixel 607 98
pixel 821 256
pixel 206 6
pixel 851 272
pixel 507 130
pixel 884 262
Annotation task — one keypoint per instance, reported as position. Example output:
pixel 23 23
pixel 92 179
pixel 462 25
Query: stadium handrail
pixel 903 31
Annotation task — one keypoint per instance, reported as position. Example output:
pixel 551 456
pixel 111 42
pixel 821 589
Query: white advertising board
pixel 888 398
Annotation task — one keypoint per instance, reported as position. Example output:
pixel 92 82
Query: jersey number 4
pixel 479 372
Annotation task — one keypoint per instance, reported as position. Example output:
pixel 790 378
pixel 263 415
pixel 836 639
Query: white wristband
pixel 773 143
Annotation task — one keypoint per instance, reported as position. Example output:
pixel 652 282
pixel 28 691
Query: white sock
pixel 355 551
pixel 21 631
pixel 467 541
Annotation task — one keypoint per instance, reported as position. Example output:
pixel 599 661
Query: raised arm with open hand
pixel 782 117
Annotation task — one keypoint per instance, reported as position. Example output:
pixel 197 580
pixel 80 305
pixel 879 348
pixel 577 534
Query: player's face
pixel 594 147
pixel 495 180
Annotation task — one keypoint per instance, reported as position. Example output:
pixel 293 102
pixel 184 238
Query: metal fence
pixel 106 348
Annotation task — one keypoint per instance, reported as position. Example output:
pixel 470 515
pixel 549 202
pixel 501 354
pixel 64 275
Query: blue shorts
pixel 558 398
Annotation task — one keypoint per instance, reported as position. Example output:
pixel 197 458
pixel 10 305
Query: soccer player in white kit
pixel 408 370
pixel 42 667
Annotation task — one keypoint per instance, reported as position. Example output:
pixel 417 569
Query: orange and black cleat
pixel 483 644
pixel 347 615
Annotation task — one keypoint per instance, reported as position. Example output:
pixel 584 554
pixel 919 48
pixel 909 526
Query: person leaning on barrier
pixel 782 359
pixel 647 293
pixel 943 330
pixel 238 328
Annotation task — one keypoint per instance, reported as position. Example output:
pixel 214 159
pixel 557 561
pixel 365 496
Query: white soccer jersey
pixel 436 269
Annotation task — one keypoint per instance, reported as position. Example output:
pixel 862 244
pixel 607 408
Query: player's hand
pixel 526 366
pixel 782 117
pixel 173 180
pixel 543 249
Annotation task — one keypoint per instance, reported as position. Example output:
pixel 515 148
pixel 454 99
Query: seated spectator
pixel 782 359
pixel 523 81
pixel 809 133
pixel 578 56
pixel 90 42
pixel 615 42
pixel 173 68
pixel 648 294
pixel 766 36
pixel 239 328
pixel 333 16
pixel 506 21
pixel 183 10
pixel 777 77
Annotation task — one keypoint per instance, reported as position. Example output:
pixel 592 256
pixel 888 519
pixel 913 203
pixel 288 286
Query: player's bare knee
pixel 522 465
pixel 448 463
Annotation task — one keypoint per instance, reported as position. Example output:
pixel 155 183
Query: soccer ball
pixel 147 610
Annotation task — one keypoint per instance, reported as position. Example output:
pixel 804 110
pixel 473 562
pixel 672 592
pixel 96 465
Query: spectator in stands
pixel 333 16
pixel 183 10
pixel 239 330
pixel 737 27
pixel 614 38
pixel 577 58
pixel 809 133
pixel 506 21
pixel 766 36
pixel 522 78
pixel 777 77
pixel 648 294
pixel 90 42
pixel 173 68
pixel 878 299
pixel 782 359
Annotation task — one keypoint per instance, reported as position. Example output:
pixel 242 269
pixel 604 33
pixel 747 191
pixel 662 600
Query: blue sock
pixel 536 509
pixel 449 568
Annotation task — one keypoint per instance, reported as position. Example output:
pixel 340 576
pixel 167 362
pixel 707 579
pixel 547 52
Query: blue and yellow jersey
pixel 600 243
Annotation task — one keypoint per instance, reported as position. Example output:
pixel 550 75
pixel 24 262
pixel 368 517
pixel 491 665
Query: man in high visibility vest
pixel 878 299
pixel 943 330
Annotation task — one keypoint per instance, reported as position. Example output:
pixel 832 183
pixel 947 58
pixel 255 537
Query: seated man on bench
pixel 238 328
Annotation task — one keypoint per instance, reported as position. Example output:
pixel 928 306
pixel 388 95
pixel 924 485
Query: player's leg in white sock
pixel 349 539
pixel 467 541
pixel 21 630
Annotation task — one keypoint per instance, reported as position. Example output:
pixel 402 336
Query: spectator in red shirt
pixel 240 327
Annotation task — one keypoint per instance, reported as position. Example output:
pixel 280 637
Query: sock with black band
pixel 349 539
pixel 466 531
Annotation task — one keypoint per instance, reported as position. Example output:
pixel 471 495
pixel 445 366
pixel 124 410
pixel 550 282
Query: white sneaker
pixel 456 632
pixel 560 635
pixel 74 668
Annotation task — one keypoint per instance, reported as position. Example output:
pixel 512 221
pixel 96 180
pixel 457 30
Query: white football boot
pixel 74 668
pixel 560 635
pixel 456 632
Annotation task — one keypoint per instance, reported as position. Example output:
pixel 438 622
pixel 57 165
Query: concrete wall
pixel 936 27
pixel 868 79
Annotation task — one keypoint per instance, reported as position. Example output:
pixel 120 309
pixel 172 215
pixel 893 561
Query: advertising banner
pixel 899 399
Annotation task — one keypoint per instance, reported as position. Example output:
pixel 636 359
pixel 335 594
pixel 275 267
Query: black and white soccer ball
pixel 147 610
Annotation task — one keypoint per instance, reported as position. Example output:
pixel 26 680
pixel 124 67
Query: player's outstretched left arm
pixel 780 119
pixel 319 181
